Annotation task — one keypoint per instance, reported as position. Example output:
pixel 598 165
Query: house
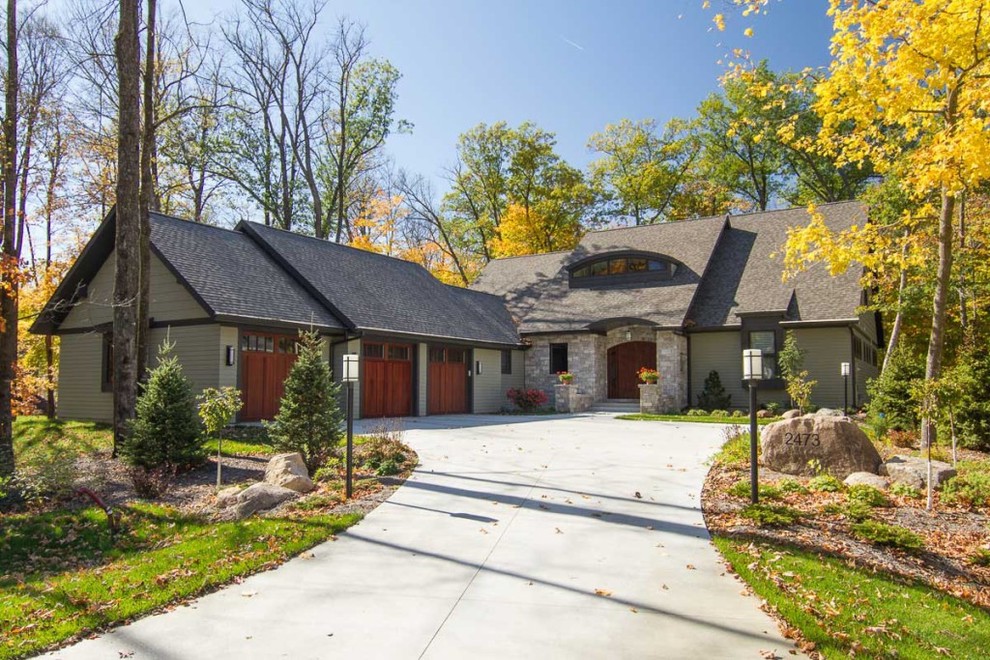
pixel 684 297
pixel 233 301
pixel 687 298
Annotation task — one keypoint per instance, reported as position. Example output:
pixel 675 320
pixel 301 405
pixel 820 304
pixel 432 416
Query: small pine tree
pixel 890 394
pixel 309 418
pixel 713 395
pixel 791 362
pixel 166 434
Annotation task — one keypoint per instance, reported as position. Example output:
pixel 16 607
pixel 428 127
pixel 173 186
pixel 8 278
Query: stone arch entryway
pixel 624 362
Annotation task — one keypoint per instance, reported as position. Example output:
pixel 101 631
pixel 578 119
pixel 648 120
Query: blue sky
pixel 571 66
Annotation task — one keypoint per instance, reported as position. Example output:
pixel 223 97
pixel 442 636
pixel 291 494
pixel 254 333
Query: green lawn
pixel 707 419
pixel 846 610
pixel 62 575
pixel 35 434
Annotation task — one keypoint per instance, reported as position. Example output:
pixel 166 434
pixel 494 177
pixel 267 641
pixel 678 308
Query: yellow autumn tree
pixel 908 90
pixel 375 228
pixel 526 230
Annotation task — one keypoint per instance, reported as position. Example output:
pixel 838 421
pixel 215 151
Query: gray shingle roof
pixel 728 266
pixel 233 276
pixel 745 275
pixel 547 303
pixel 378 293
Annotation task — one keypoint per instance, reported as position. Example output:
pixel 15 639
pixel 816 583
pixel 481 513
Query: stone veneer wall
pixel 672 363
pixel 587 359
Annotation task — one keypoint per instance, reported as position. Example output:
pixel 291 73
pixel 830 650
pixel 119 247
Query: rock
pixel 791 414
pixel 836 443
pixel 260 497
pixel 289 471
pixel 913 471
pixel 829 412
pixel 228 496
pixel 763 414
pixel 867 479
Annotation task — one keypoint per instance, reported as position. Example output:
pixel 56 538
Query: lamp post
pixel 350 377
pixel 753 373
pixel 845 388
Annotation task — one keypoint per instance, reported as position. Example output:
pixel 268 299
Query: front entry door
pixel 265 362
pixel 624 363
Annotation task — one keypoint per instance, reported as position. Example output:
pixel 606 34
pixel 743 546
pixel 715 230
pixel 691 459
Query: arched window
pixel 621 267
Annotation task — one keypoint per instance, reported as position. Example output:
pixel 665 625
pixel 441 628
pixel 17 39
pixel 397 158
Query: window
pixel 455 355
pixel 106 365
pixel 766 341
pixel 398 352
pixel 621 266
pixel 558 358
pixel 506 361
pixel 374 351
pixel 436 354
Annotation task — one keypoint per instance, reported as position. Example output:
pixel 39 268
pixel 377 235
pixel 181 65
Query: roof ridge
pixel 657 224
pixel 535 254
pixel 169 216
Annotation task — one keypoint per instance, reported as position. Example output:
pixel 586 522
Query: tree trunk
pixel 895 330
pixel 128 221
pixel 147 195
pixel 933 363
pixel 10 264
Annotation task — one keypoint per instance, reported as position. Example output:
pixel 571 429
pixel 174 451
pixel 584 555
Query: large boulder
pixel 835 443
pixel 289 471
pixel 913 471
pixel 866 479
pixel 791 414
pixel 258 497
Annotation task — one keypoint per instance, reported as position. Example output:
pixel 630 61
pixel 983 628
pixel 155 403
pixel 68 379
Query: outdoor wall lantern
pixel 350 376
pixel 477 367
pixel 844 369
pixel 230 356
pixel 753 373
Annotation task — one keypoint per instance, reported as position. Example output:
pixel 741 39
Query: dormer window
pixel 621 268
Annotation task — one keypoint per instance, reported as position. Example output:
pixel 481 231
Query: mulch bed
pixel 951 535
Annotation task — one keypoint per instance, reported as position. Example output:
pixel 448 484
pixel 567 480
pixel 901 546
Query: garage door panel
pixel 387 381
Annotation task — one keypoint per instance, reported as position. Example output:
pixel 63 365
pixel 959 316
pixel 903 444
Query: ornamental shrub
pixel 165 437
pixel 791 361
pixel 767 515
pixel 527 400
pixel 889 535
pixel 713 394
pixel 972 410
pixel 868 495
pixel 890 394
pixel 309 419
pixel 971 489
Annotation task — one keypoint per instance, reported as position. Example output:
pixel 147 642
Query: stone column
pixel 649 399
pixel 672 363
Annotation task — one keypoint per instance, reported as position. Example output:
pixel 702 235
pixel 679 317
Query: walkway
pixel 552 537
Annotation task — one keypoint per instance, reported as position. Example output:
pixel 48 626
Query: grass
pixel 36 433
pixel 706 419
pixel 62 575
pixel 240 447
pixel 846 610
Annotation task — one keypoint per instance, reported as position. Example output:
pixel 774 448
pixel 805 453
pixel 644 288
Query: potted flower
pixel 648 376
pixel 565 377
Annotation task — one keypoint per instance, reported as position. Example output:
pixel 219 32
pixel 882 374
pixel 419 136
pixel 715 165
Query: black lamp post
pixel 351 370
pixel 753 373
pixel 845 388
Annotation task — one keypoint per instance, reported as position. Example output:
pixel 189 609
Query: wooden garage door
pixel 447 380
pixel 265 362
pixel 624 363
pixel 387 383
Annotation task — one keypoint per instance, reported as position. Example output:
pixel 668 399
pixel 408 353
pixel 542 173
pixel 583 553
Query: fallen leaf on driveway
pixel 769 655
pixel 605 593
pixel 558 530
pixel 634 610
pixel 638 496
pixel 249 594
pixel 691 567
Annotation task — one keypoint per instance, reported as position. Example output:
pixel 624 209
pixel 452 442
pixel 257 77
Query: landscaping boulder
pixel 829 412
pixel 259 497
pixel 837 444
pixel 763 414
pixel 913 471
pixel 228 496
pixel 866 479
pixel 791 414
pixel 289 471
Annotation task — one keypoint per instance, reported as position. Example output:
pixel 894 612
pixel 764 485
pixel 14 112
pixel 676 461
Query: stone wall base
pixel 654 401
pixel 570 399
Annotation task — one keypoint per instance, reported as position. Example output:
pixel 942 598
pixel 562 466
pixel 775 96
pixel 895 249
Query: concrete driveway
pixel 552 537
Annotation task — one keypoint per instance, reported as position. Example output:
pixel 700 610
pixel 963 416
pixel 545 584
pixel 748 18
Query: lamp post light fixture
pixel 351 371
pixel 845 388
pixel 753 373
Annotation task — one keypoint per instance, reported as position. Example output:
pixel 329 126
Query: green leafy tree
pixel 166 433
pixel 713 396
pixel 641 171
pixel 971 409
pixel 791 360
pixel 217 408
pixel 309 418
